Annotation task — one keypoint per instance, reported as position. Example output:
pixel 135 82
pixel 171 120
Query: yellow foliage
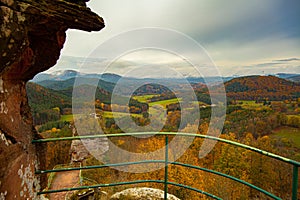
pixel 120 142
pixel 56 109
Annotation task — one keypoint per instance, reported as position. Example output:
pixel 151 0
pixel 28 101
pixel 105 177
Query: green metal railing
pixel 167 162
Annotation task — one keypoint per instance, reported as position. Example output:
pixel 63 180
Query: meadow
pixel 288 133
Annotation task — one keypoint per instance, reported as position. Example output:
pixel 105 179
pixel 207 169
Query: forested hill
pixel 48 104
pixel 64 84
pixel 41 98
pixel 262 87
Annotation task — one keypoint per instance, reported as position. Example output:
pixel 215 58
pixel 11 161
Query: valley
pixel 261 111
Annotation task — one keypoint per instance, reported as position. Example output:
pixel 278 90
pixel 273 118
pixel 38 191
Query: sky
pixel 241 37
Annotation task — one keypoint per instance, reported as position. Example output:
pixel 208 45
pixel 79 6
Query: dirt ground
pixel 63 180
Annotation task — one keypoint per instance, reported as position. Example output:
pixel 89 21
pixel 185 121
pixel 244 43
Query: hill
pixel 41 98
pixel 295 78
pixel 48 104
pixel 65 84
pixel 84 92
pixel 44 99
pixel 109 77
pixel 107 82
pixel 262 87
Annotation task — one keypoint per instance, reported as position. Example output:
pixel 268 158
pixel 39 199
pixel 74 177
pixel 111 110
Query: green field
pixel 107 114
pixel 66 118
pixel 159 113
pixel 164 103
pixel 144 98
pixel 290 133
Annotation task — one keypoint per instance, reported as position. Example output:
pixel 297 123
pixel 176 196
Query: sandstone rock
pixel 142 193
pixel 32 33
pixel 80 150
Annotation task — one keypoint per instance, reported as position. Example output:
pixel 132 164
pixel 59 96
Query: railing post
pixel 166 168
pixel 295 182
pixel 80 177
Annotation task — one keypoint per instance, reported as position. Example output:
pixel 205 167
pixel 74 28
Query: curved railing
pixel 167 162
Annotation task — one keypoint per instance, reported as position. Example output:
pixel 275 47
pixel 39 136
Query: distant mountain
pixel 286 75
pixel 57 85
pixel 114 78
pixel 41 77
pixel 65 74
pixel 69 83
pixel 108 77
pixel 63 80
pixel 57 75
pixel 261 87
pixel 249 87
pixel 208 80
pixel 295 78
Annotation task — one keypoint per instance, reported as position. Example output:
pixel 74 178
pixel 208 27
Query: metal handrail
pixel 166 182
pixel 156 161
pixel 281 158
pixel 129 183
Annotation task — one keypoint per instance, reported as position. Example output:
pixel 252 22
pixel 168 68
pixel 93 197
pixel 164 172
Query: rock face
pixel 142 193
pixel 31 37
pixel 96 146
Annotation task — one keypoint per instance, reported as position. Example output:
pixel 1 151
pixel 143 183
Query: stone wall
pixel 31 37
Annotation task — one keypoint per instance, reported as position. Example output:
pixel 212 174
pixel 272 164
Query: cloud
pixel 263 68
pixel 287 60
pixel 252 33
pixel 268 64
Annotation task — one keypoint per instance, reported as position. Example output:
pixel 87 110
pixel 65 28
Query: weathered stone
pixel 37 29
pixel 32 33
pixel 96 146
pixel 142 193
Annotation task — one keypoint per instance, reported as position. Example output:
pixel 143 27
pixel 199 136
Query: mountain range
pixel 46 91
pixel 63 75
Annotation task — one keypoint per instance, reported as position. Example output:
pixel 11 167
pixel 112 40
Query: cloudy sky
pixel 241 37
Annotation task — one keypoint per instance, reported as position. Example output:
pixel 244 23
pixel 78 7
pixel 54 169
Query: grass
pixel 107 114
pixel 290 133
pixel 156 111
pixel 164 103
pixel 289 116
pixel 66 118
pixel 251 104
pixel 144 98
